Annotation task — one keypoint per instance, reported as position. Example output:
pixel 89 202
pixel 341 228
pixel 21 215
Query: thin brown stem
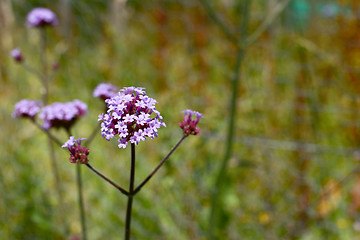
pixel 107 179
pixel 50 136
pixel 158 166
pixel 33 71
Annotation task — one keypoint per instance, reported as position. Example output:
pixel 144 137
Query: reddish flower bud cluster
pixel 16 55
pixel 78 154
pixel 189 124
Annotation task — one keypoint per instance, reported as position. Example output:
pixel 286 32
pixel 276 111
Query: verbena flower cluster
pixel 132 116
pixel 78 154
pixel 105 91
pixel 26 108
pixel 41 17
pixel 189 124
pixel 62 114
pixel 16 55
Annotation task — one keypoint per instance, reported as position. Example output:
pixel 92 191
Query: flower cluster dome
pixel 131 115
pixel 62 114
pixel 105 90
pixel 41 17
pixel 26 108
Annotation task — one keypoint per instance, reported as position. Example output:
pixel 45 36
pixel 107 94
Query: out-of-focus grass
pixel 298 103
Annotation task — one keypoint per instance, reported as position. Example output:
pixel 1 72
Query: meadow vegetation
pixel 293 168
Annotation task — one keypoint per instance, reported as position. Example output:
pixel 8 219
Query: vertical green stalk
pixel 81 201
pixel 44 78
pixel 130 196
pixel 45 95
pixel 58 185
pixel 80 197
pixel 216 191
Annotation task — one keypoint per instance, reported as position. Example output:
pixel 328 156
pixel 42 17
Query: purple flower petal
pixel 41 17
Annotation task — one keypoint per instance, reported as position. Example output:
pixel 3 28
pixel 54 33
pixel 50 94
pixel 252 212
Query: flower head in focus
pixel 132 116
pixel 41 17
pixel 62 114
pixel 78 154
pixel 16 55
pixel 26 108
pixel 189 124
pixel 105 91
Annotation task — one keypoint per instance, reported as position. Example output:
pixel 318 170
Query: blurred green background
pixel 293 169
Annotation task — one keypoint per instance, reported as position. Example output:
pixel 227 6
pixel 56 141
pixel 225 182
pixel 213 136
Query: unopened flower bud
pixel 16 55
pixel 189 124
pixel 78 154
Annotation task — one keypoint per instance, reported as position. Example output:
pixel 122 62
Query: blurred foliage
pixel 297 124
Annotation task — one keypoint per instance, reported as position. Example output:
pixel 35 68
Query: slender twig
pixel 43 75
pixel 55 170
pixel 44 66
pixel 33 71
pixel 138 188
pixel 215 17
pixel 107 179
pixel 215 194
pixel 130 196
pixel 92 135
pixel 47 132
pixel 275 11
pixel 327 192
pixel 95 130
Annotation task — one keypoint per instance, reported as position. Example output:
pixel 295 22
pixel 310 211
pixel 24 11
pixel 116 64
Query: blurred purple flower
pixel 78 154
pixel 105 91
pixel 189 124
pixel 16 55
pixel 62 114
pixel 55 66
pixel 26 108
pixel 131 115
pixel 41 17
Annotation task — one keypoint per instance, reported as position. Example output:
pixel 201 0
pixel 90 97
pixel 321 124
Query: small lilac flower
pixel 78 154
pixel 41 17
pixel 16 55
pixel 131 115
pixel 189 124
pixel 62 114
pixel 26 108
pixel 105 91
